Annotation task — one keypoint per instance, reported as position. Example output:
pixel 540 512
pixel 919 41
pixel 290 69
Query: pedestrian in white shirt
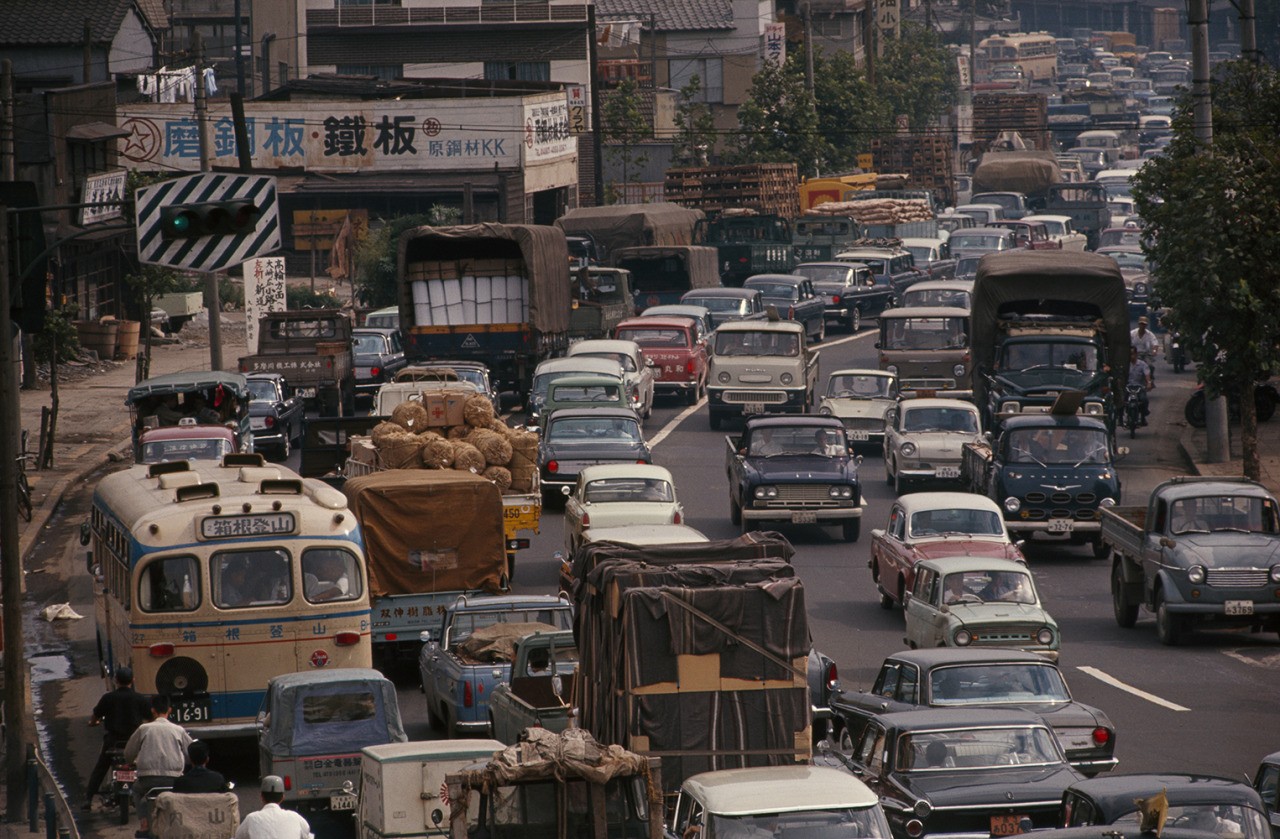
pixel 1144 341
pixel 273 821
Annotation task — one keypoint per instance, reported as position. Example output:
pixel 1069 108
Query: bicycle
pixel 25 507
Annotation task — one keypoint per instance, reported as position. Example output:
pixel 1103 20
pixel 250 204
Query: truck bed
pixel 1124 528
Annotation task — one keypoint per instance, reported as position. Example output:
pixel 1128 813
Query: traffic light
pixel 213 218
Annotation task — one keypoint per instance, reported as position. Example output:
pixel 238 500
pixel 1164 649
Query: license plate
pixel 1239 607
pixel 926 393
pixel 306 393
pixel 860 436
pixel 947 472
pixel 342 802
pixel 190 710
pixel 1006 825
pixel 1060 525
pixel 753 407
pixel 125 776
pixel 804 518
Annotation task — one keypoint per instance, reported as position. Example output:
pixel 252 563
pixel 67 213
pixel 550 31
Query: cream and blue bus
pixel 213 576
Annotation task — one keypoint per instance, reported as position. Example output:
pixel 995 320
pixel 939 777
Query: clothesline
pixel 170 86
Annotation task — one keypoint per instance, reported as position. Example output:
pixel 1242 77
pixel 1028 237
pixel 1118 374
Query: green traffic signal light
pixel 213 218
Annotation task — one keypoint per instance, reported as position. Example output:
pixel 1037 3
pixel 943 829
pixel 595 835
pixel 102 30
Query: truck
pixel 760 366
pixel 618 226
pixel 1086 203
pixel 1201 552
pixel 602 299
pixel 660 275
pixel 430 535
pixel 1045 322
pixel 819 236
pixel 541 686
pixel 1051 473
pixel 495 293
pixel 394 773
pixel 793 469
pixel 748 243
pixel 471 654
pixel 180 307
pixel 1028 172
pixel 311 348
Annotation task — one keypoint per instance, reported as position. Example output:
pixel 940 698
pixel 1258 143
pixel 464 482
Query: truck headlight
pixel 963 638
pixel 907 449
pixel 766 492
pixel 723 377
pixel 1275 573
pixel 1107 502
pixel 1093 409
pixel 892 369
pixel 825 411
pixel 840 492
pixel 1195 574
pixel 1044 636
pixel 958 370
pixel 1012 504
pixel 786 378
pixel 1010 407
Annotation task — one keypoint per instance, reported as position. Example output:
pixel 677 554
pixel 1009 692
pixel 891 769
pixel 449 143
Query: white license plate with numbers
pixel 1061 525
pixel 1239 607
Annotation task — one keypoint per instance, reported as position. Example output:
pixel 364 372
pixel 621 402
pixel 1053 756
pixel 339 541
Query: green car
pixel 962 601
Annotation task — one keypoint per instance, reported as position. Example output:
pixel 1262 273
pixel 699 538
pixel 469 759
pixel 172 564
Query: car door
pixel 924 618
pixel 645 366
pixel 573 509
pixel 892 550
pixel 1267 783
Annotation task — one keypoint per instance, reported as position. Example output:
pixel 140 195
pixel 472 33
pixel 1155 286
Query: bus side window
pixel 171 584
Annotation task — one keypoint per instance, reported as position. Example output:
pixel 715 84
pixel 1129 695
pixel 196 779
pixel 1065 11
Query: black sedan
pixel 963 771
pixel 1194 802
pixel 576 438
pixel 274 415
pixel 378 355
pixel 952 678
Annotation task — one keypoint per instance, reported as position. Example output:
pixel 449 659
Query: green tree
pixel 779 123
pixel 150 282
pixel 696 132
pixel 625 127
pixel 849 112
pixel 1211 215
pixel 376 281
pixel 917 76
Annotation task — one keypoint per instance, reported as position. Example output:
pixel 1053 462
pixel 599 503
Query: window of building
pixel 710 72
pixel 386 72
pixel 828 27
pixel 518 71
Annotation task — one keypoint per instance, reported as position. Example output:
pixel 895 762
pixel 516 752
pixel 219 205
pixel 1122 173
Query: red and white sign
pixel 576 95
pixel 319 658
pixel 775 43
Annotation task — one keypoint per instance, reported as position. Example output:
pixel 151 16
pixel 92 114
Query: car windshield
pixel 1230 821
pixel 826 273
pixel 989 684
pixel 783 291
pixel 262 389
pixel 967 267
pixel 592 430
pixel 988 587
pixel 203 449
pixel 586 393
pixel 977 242
pixel 609 490
pixel 1130 261
pixel 858 386
pixel 1054 228
pixel 864 823
pixel 465 623
pixel 628 363
pixel 952 521
pixel 368 344
pixel 877 266
pixel 960 420
pixel 769 441
pixel 655 337
pixel 1059 446
pixel 923 333
pixel 1022 356
pixel 977 748
pixel 543 381
pixel 950 297
pixel 1210 513
pixel 784 344
pixel 719 304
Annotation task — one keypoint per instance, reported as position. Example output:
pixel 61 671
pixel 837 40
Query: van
pixel 983 214
pixel 402 786
pixel 388 318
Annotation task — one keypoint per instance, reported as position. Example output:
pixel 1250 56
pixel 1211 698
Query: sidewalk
pixel 1194 445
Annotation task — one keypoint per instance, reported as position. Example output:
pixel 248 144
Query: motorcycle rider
pixel 1140 374
pixel 1144 341
pixel 119 712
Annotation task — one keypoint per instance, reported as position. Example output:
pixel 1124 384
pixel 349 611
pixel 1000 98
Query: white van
pixel 983 214
pixel 401 786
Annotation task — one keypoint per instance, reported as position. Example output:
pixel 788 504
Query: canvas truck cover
pixel 1061 282
pixel 1028 172
pixel 700 262
pixel 545 755
pixel 626 225
pixel 291 734
pixel 541 247
pixel 429 530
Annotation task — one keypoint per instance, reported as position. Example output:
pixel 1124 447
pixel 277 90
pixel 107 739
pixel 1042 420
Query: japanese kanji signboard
pixel 264 281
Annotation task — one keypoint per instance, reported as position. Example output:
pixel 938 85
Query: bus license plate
pixel 342 801
pixel 947 472
pixel 1239 607
pixel 804 518
pixel 186 711
pixel 1006 825
pixel 860 436
pixel 1060 525
pixel 753 407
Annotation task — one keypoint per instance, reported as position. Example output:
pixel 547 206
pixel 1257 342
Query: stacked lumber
pixel 770 188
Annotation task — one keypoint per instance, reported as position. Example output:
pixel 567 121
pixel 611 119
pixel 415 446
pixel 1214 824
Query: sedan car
pixel 971 678
pixel 929 525
pixel 637 369
pixel 1223 806
pixel 378 355
pixel 924 438
pixel 700 315
pixel 274 415
pixel 849 290
pixel 577 438
pixel 860 399
pixel 553 369
pixel 957 294
pixel 727 304
pixel 1267 783
pixel 965 601
pixel 614 495
pixel 963 771
pixel 795 299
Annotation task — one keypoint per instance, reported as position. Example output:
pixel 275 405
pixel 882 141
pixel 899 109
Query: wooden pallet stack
pixel 1025 113
pixel 763 187
pixel 926 159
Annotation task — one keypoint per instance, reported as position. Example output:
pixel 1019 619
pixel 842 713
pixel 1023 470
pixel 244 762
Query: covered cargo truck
pixel 1028 172
pixel 631 225
pixel 662 274
pixel 495 293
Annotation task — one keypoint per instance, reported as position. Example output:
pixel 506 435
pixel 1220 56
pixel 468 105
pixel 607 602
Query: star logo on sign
pixel 143 140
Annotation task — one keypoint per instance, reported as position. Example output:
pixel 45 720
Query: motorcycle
pixel 1133 408
pixel 123 776
pixel 1265 398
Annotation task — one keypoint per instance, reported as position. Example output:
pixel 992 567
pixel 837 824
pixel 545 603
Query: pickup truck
pixel 180 307
pixel 794 298
pixel 820 236
pixel 311 348
pixel 541 686
pixel 1203 550
pixel 760 366
pixel 794 469
pixel 1050 473
pixel 849 290
pixel 473 651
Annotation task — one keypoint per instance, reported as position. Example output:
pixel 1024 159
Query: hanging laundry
pixel 210 82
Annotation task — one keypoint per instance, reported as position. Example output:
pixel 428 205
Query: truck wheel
pixel 1100 549
pixel 735 511
pixel 1169 627
pixel 850 529
pixel 855 320
pixel 285 447
pixel 1125 611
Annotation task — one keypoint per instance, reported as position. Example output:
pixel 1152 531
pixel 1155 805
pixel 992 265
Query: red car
pixel 933 525
pixel 678 356
pixel 1033 235
pixel 186 441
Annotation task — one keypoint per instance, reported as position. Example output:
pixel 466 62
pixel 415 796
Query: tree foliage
pixel 695 127
pixel 376 282
pixel 625 127
pixel 1211 215
pixel 917 76
pixel 850 113
pixel 779 123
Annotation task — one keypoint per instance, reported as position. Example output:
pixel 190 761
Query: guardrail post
pixel 50 817
pixel 33 789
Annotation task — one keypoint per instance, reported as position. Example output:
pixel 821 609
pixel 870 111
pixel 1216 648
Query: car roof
pixel 978 205
pixel 861 371
pixel 923 241
pixel 646 534
pixel 720 292
pixel 792 420
pixel 941 718
pixel 676 310
pixel 927 659
pixel 778 789
pixel 952 564
pixel 579 379
pixel 990 231
pixel 925 312
pixel 657 322
pixel 482 601
pixel 940 402
pixel 761 326
pixel 625 470
pixel 1197 487
pixel 791 279
pixel 374 330
pixel 604 345
pixel 250 377
pixel 1053 421
pixel 593 413
pixel 829 265
pixel 578 365
pixel 915 502
pixel 942 285
pixel 1180 787
pixel 1047 217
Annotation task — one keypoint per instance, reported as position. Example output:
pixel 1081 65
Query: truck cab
pixel 819 236
pixel 760 367
pixel 748 244
pixel 927 348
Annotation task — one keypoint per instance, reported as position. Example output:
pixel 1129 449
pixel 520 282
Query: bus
pixel 1036 54
pixel 210 577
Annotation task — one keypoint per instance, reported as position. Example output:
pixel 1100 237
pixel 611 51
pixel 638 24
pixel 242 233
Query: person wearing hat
pixel 1140 374
pixel 119 712
pixel 273 821
pixel 1144 341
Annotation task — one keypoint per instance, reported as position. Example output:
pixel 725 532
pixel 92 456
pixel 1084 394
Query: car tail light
pixel 586 519
pixel 742 259
pixel 833 674
pixel 161 650
pixel 270 422
pixel 679 519
pixel 391 636
pixel 689 367
pixel 835 300
pixel 347 639
pixel 791 313
pixel 375 371
pixel 642 461
pixel 915 827
pixel 553 466
pixel 288 782
pixel 635 394
pixel 1101 736
pixel 468 700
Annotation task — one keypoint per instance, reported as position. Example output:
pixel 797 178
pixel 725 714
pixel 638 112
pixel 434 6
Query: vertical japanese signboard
pixel 576 94
pixel 263 293
pixel 888 18
pixel 775 43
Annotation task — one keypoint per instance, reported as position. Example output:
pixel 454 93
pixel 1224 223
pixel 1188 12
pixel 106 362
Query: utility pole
pixel 808 48
pixel 1249 32
pixel 593 77
pixel 239 51
pixel 9 172
pixel 212 303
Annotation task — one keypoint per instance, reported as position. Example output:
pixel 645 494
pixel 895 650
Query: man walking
pixel 159 749
pixel 273 821
pixel 119 712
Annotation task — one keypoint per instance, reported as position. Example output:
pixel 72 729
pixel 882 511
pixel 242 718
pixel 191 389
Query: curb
pixel 52 501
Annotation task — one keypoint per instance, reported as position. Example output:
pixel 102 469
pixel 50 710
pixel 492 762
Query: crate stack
pixel 925 159
pixel 764 187
pixel 998 113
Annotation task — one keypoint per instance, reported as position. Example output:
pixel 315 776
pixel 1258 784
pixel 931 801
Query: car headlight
pixel 1012 504
pixel 922 809
pixel 1195 574
pixel 963 638
pixel 1140 288
pixel 1010 407
pixel 1093 408
pixel 907 449
pixel 1044 636
pixel 840 492
pixel 786 378
pixel 892 369
pixel 1275 573
pixel 766 492
pixel 1107 502
pixel 958 370
pixel 825 411
pixel 723 377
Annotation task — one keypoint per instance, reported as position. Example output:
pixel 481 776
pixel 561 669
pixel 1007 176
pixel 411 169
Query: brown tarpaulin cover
pixel 542 247
pixel 543 754
pixel 429 530
pixel 497 643
pixel 1028 172
pixel 701 263
pixel 626 225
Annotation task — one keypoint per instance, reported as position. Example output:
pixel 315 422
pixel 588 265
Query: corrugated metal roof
pixel 671 15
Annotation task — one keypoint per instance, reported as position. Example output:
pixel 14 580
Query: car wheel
pixel 285 447
pixel 749 526
pixel 886 602
pixel 1169 627
pixel 850 529
pixel 1126 612
pixel 899 484
pixel 822 330
pixel 888 473
pixel 433 718
pixel 735 511
pixel 855 320
pixel 1100 549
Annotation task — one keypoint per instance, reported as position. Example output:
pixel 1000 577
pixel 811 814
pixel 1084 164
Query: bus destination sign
pixel 257 524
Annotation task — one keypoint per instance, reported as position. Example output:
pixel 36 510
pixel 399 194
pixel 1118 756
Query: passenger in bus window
pixel 325 575
pixel 233 583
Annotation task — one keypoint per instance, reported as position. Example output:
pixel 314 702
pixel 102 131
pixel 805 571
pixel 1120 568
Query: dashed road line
pixel 1108 679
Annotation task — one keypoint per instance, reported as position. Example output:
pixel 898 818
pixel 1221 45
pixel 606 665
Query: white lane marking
pixel 1270 662
pixel 1108 679
pixel 847 339
pixel 675 421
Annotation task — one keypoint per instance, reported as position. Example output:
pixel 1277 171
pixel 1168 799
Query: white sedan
pixel 619 494
pixel 924 438
pixel 637 369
